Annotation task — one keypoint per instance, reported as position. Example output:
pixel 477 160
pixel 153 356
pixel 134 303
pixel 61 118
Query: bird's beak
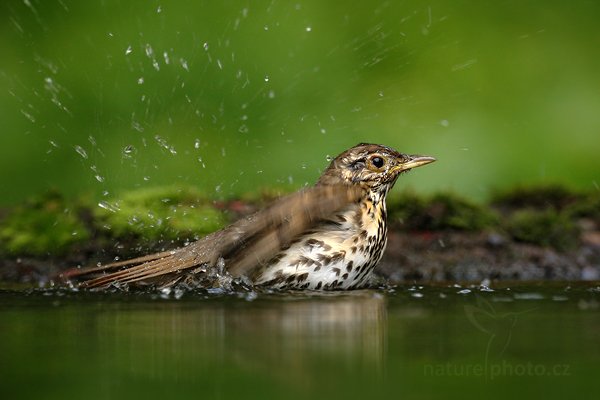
pixel 413 162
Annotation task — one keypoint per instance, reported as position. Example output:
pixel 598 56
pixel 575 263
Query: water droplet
pixel 81 151
pixel 205 45
pixel 128 151
pixel 219 64
pixel 184 64
pixel 323 131
pixel 163 143
pixel 108 206
pixel 266 78
pixel 445 123
pixel 99 178
pixel 128 51
pixel 137 126
pixel 140 80
pixel 243 129
pixel 28 116
pixel 197 143
pixel 308 29
pixel 266 28
pixel 166 58
pixel 329 158
pixel 464 291
pixel 271 94
pixel 148 50
pixel 159 10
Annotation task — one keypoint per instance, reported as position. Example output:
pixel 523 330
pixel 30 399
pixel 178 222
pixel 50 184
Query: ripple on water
pixel 529 296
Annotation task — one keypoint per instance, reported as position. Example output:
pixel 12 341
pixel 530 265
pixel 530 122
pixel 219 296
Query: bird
pixel 329 236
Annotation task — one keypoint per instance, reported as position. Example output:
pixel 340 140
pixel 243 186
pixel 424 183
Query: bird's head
pixel 372 166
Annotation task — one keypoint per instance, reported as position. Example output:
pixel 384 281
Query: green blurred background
pixel 103 96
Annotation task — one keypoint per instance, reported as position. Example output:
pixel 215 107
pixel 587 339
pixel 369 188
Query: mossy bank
pixel 536 233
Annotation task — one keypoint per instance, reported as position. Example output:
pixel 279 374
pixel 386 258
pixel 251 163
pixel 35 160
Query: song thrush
pixel 329 236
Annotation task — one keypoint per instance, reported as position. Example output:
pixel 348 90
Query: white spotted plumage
pixel 340 253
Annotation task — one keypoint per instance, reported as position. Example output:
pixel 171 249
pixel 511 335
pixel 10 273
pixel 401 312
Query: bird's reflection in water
pixel 302 339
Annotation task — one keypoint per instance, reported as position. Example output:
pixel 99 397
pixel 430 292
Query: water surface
pixel 409 341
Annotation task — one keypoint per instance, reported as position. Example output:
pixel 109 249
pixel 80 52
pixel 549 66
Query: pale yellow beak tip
pixel 414 162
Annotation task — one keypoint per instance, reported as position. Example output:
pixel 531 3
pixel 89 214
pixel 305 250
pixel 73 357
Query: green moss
pixel 543 227
pixel 48 225
pixel 408 210
pixel 51 225
pixel 545 196
pixel 160 213
pixel 587 207
pixel 449 211
pixel 442 211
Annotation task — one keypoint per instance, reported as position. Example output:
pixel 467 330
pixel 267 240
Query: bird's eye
pixel 377 162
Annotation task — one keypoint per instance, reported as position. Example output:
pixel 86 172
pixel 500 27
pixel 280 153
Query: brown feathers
pixel 243 245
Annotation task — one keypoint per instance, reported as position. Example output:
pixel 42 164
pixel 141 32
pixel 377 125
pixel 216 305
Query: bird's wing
pixel 243 245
